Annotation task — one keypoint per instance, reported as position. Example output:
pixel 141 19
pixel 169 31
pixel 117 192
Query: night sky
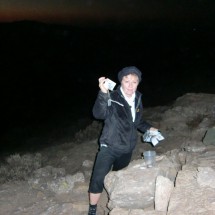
pixel 71 11
pixel 52 53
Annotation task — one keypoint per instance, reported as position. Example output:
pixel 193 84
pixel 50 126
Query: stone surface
pixel 182 158
pixel 209 138
pixel 163 192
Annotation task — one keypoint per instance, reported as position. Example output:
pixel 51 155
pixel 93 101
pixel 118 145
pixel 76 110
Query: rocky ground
pixel 35 197
pixel 60 186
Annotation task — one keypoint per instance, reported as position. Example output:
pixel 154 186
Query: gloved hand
pixel 153 137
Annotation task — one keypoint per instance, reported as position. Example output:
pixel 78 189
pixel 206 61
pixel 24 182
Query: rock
pixel 163 191
pixel 134 187
pixel 65 184
pixel 206 177
pixel 123 211
pixel 209 138
pixel 131 189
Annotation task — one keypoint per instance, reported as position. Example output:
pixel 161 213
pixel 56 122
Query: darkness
pixel 49 72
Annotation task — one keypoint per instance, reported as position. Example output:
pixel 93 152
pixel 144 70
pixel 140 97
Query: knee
pixel 96 185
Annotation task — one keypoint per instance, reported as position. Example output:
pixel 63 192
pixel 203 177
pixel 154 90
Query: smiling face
pixel 129 84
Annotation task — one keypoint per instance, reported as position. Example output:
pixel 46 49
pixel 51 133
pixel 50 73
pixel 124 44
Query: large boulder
pixel 134 186
pixel 182 182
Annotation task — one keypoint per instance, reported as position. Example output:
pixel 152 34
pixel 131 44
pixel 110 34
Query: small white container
pixel 150 158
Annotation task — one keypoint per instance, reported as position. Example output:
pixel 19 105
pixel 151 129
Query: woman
pixel 121 111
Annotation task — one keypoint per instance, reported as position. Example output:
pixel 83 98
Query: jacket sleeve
pixel 142 125
pixel 100 108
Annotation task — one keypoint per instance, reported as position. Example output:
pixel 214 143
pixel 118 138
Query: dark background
pixel 49 72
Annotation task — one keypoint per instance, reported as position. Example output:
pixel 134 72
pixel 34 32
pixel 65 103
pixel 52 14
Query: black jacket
pixel 119 131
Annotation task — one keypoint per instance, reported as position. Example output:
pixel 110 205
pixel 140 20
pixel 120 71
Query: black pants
pixel 105 160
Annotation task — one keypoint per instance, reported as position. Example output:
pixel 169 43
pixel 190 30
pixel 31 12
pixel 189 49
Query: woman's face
pixel 129 84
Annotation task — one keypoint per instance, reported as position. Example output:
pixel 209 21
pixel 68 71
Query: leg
pixel 94 198
pixel 101 168
pixel 122 161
